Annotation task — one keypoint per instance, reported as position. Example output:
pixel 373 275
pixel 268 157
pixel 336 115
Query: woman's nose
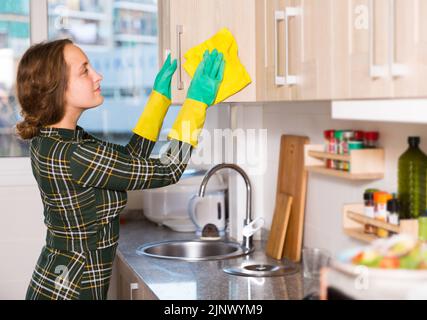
pixel 98 77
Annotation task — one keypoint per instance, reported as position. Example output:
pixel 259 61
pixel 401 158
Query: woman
pixel 82 179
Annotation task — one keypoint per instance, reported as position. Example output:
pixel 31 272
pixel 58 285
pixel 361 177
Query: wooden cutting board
pixel 292 180
pixel 276 237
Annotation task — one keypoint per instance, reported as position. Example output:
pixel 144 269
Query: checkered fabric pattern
pixel 83 182
pixel 63 275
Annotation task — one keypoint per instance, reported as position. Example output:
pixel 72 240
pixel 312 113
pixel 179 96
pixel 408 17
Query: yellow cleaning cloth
pixel 235 75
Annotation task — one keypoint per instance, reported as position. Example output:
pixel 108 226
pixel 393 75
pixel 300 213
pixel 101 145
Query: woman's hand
pixel 207 78
pixel 162 83
pixel 151 120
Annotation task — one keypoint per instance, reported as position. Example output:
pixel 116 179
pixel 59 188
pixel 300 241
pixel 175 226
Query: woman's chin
pixel 99 101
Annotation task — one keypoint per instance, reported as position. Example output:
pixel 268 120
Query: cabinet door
pixel 365 47
pixel 315 58
pixel 128 283
pixel 281 49
pixel 191 22
pixel 409 59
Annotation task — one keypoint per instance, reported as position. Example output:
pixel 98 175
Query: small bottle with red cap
pixel 371 139
pixel 330 146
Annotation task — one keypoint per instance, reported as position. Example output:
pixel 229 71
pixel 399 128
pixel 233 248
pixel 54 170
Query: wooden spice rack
pixel 354 221
pixel 365 164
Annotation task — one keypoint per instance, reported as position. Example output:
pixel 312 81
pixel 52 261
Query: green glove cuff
pixel 189 122
pixel 151 120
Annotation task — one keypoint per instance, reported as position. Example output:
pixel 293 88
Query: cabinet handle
pixel 396 69
pixel 133 286
pixel 278 80
pixel 179 32
pixel 375 70
pixel 289 12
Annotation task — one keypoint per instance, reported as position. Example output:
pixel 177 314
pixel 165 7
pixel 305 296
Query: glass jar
pixel 369 210
pixel 381 212
pixel 330 146
pixel 339 148
pixel 371 139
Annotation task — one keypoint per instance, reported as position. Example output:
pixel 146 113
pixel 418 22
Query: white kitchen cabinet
pixel 187 23
pixel 129 284
pixel 314 49
pixel 280 63
pixel 362 49
pixel 409 50
pixel 380 48
pixel 300 50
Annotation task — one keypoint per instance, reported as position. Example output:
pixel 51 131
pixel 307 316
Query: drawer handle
pixel 396 69
pixel 278 80
pixel 289 12
pixel 179 32
pixel 375 70
pixel 133 286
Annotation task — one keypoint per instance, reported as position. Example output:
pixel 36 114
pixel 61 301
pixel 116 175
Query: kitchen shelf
pixel 365 164
pixel 354 221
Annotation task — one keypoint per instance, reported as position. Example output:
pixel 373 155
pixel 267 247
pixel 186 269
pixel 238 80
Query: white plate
pixel 180 225
pixel 343 263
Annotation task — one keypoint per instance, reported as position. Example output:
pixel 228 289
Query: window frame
pixel 16 171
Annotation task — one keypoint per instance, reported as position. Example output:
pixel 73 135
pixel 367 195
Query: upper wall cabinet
pixel 409 48
pixel 280 50
pixel 284 44
pixel 361 45
pixel 314 49
pixel 380 49
pixel 186 23
pixel 308 49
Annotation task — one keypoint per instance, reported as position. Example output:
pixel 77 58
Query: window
pixel 14 40
pixel 120 40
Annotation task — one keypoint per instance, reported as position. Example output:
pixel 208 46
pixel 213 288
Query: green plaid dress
pixel 83 183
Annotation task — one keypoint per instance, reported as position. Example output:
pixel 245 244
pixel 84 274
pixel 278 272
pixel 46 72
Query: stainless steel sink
pixel 193 250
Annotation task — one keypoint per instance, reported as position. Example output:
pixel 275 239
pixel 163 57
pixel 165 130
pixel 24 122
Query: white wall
pixel 326 195
pixel 22 236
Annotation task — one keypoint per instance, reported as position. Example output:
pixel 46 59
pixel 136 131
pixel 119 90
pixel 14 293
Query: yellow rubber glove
pixel 151 120
pixel 201 93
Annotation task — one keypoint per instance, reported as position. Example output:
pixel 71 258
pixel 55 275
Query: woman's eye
pixel 86 71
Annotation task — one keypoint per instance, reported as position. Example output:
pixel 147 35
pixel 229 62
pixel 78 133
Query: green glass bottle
pixel 412 173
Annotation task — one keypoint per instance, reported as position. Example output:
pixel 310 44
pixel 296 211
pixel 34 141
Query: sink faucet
pixel 247 240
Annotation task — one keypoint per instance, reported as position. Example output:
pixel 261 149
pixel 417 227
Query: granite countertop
pixel 204 280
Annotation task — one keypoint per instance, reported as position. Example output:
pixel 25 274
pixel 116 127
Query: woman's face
pixel 84 83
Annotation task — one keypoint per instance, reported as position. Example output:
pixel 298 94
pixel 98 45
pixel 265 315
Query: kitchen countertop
pixel 204 280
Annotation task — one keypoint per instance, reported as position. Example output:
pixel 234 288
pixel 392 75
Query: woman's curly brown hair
pixel 41 83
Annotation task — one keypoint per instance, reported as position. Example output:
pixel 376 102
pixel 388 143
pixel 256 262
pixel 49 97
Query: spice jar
pixel 393 210
pixel 358 135
pixel 330 146
pixel 380 199
pixel 371 139
pixel 339 148
pixel 369 210
pixel 347 136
